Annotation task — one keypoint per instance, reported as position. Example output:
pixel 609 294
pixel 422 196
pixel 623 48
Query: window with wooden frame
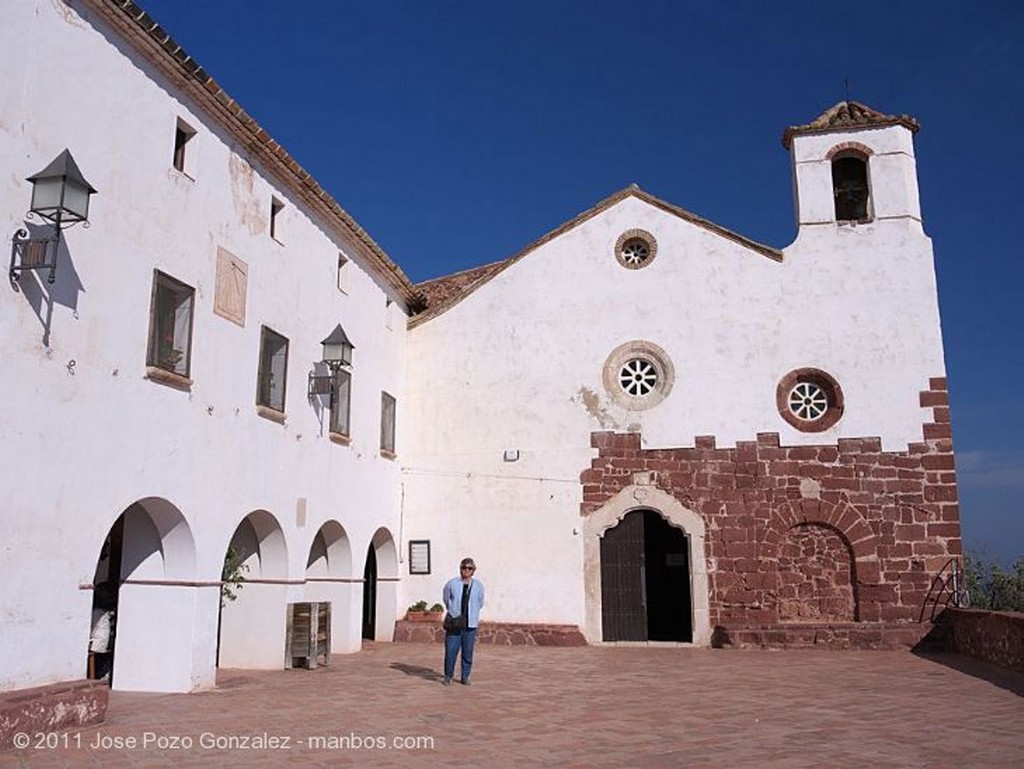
pixel 387 424
pixel 183 134
pixel 273 371
pixel 341 400
pixel 170 325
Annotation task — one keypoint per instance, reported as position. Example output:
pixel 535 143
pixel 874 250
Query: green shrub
pixel 232 575
pixel 990 587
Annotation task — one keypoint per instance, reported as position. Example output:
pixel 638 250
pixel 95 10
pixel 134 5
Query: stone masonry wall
pixel 832 533
pixel 993 636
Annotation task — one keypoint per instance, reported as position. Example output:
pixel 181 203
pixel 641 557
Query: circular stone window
pixel 635 249
pixel 809 399
pixel 638 375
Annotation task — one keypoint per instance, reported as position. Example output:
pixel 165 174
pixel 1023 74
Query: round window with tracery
pixel 638 375
pixel 635 249
pixel 809 399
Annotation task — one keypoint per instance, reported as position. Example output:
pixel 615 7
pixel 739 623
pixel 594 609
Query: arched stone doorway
pixel 252 627
pixel 380 588
pixel 645 580
pixel 329 578
pixel 648 500
pixel 146 576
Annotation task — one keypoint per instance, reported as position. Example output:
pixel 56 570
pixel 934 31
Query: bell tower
pixel 854 165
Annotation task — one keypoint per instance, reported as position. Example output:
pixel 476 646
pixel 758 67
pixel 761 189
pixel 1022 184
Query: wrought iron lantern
pixel 60 195
pixel 337 349
pixel 337 354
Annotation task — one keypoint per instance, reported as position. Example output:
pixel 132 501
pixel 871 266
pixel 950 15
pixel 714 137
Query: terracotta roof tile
pixel 160 49
pixel 848 114
pixel 439 292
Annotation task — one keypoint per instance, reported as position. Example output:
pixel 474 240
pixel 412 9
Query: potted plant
pixel 418 612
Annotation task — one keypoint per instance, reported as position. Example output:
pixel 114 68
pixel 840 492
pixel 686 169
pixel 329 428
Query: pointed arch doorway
pixel 645 580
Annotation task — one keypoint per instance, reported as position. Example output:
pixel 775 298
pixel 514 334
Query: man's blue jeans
pixel 453 644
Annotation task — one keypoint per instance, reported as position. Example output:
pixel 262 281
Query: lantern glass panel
pixel 76 200
pixel 46 194
pixel 332 352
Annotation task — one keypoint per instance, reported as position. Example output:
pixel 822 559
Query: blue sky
pixel 458 132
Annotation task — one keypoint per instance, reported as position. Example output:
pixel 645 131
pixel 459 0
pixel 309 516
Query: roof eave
pixel 631 191
pixel 152 42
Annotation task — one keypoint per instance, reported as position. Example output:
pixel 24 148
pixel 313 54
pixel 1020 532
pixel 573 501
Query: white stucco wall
pixel 518 363
pixel 86 435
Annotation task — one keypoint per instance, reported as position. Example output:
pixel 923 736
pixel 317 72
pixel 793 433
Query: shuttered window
pixel 387 423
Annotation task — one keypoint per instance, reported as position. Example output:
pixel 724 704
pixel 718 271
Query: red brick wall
pixel 815 576
pixel 827 533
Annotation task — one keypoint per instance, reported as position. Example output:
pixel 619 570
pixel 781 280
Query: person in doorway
pixel 101 637
pixel 463 597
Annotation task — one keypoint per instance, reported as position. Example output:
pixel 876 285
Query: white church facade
pixel 643 427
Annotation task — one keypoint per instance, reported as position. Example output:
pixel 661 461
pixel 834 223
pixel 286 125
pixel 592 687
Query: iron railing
pixel 948 588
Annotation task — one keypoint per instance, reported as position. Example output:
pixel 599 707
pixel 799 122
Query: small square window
pixel 387 423
pixel 344 273
pixel 183 134
pixel 389 314
pixel 170 325
pixel 340 402
pixel 419 556
pixel 270 391
pixel 276 207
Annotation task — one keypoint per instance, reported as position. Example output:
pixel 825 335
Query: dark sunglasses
pixel 468 568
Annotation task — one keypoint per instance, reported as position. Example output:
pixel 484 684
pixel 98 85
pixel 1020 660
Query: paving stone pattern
pixel 604 706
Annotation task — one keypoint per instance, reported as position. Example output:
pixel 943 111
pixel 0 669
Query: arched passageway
pixel 380 587
pixel 145 589
pixel 252 625
pixel 329 578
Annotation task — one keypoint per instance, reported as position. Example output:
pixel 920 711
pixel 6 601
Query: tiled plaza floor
pixel 581 707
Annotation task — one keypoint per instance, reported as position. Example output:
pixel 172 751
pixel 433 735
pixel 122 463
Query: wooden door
pixel 623 581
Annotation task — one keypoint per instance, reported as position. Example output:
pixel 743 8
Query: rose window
pixel 638 377
pixel 635 252
pixel 635 249
pixel 808 401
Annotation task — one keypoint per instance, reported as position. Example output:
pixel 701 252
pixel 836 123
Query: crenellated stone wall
pixel 829 534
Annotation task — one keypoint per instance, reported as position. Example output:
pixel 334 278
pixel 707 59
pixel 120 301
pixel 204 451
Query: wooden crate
pixel 308 636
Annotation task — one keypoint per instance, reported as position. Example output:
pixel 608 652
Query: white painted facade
pixel 519 362
pixel 497 396
pixel 87 436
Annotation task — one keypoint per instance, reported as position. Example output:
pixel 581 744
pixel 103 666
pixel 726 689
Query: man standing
pixel 463 597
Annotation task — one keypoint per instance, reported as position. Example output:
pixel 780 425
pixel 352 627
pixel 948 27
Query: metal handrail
pixel 947 588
